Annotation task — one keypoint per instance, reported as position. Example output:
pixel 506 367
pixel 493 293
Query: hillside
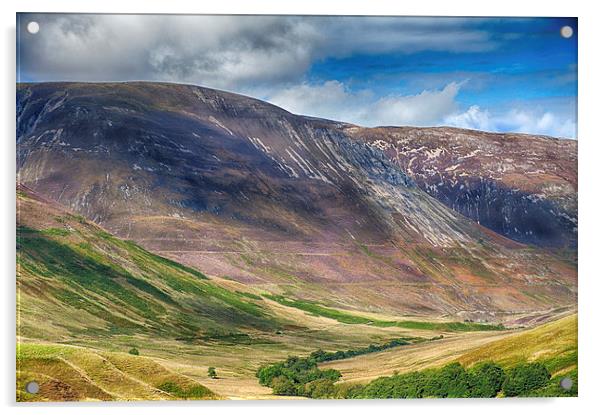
pixel 243 190
pixel 553 343
pixel 67 373
pixel 86 298
pixel 521 186
pixel 95 285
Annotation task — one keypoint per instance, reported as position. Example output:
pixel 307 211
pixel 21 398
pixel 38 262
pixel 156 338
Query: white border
pixel 590 153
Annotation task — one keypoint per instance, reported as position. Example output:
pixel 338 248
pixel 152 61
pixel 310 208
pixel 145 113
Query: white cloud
pixel 473 118
pixel 332 100
pixel 431 107
pixel 269 57
pixel 426 108
pixel 228 52
pixel 515 120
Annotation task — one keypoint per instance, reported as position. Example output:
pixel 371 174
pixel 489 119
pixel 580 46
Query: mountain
pixel 521 186
pixel 240 189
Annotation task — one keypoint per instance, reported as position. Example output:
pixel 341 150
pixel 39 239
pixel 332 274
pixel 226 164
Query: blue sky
pixel 497 74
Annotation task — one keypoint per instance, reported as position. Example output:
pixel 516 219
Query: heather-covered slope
pixel 244 190
pixel 521 186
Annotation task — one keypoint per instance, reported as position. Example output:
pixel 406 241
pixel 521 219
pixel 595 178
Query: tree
pixel 134 351
pixel 451 381
pixel 486 380
pixel 212 373
pixel 283 386
pixel 269 372
pixel 321 388
pixel 525 378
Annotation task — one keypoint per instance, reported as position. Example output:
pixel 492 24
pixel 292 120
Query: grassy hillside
pixel 94 284
pixel 554 344
pixel 531 363
pixel 67 373
pixel 348 318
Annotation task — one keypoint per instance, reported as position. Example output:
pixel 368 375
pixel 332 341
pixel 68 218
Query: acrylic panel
pixel 310 207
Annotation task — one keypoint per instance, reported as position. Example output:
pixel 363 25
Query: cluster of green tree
pixel 484 380
pixel 322 356
pixel 298 376
pixel 301 377
pixel 452 381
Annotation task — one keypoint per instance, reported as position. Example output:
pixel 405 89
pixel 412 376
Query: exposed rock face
pixel 242 189
pixel 521 186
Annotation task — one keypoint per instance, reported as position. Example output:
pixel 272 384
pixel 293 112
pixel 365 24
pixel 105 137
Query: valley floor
pixel 90 370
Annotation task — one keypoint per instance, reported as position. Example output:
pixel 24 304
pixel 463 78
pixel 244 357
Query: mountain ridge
pixel 230 186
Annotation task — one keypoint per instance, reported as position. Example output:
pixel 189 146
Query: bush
pixel 451 381
pixel 486 380
pixel 348 391
pixel 321 388
pixel 134 351
pixel 266 374
pixel 282 385
pixel 301 377
pixel 212 373
pixel 291 376
pixel 523 379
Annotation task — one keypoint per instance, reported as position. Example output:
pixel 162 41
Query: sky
pixel 493 74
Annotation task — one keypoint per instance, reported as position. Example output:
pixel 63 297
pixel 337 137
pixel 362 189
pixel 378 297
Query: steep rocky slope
pixel 242 189
pixel 521 186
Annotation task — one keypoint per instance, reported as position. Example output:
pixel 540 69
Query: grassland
pixel 348 318
pixel 67 373
pixel 106 296
pixel 123 288
pixel 554 344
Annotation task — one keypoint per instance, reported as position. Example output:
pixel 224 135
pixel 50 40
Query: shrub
pixel 525 378
pixel 282 385
pixel 266 374
pixel 486 380
pixel 451 381
pixel 348 391
pixel 321 388
pixel 134 351
pixel 291 376
pixel 212 373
